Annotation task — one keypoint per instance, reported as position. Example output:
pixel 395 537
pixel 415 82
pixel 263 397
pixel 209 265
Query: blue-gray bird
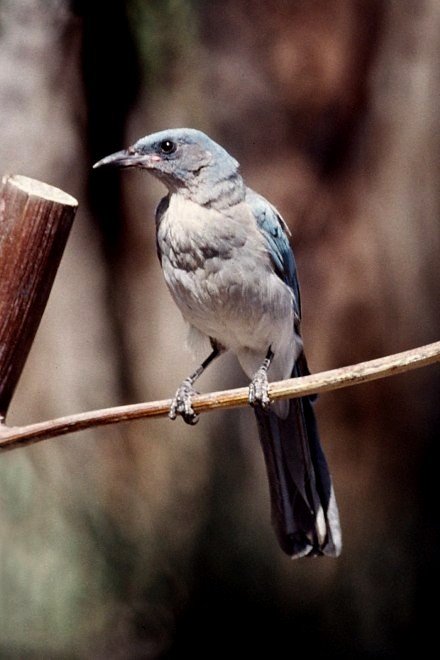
pixel 226 258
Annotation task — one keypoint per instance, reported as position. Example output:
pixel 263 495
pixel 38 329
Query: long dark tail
pixel 304 511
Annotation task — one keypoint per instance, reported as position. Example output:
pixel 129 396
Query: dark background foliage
pixel 152 540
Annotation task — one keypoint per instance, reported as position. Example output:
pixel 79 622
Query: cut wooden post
pixel 35 221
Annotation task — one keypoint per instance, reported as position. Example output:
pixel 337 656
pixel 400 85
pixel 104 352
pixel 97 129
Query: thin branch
pixel 391 365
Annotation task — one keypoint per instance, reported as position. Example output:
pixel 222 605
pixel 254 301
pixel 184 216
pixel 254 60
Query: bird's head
pixel 183 158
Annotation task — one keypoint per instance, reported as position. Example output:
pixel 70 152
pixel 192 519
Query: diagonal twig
pixel 390 365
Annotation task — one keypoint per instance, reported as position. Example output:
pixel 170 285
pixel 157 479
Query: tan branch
pixel 391 365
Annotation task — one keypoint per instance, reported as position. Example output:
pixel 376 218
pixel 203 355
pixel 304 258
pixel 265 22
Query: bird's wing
pixel 161 209
pixel 276 234
pixel 304 511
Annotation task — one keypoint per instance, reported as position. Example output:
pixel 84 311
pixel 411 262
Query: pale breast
pixel 220 275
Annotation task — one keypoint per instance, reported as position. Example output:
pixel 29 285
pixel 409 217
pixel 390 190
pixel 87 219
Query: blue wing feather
pixel 276 233
pixel 300 485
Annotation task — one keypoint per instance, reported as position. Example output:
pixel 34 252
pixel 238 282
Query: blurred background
pixel 152 539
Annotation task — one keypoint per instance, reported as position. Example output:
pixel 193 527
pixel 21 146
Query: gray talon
pixel 182 404
pixel 258 390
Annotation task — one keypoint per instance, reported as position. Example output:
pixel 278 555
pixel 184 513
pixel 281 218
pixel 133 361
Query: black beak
pixel 125 158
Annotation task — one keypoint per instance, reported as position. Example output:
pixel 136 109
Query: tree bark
pixel 35 221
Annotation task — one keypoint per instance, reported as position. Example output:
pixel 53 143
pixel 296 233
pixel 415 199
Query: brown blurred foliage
pixel 152 540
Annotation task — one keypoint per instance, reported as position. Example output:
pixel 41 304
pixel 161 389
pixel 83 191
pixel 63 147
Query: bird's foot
pixel 182 403
pixel 259 390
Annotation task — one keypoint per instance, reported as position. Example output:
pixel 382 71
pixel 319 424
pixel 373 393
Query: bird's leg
pixel 258 388
pixel 182 402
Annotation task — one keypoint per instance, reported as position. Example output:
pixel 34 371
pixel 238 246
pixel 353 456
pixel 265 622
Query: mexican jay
pixel 226 259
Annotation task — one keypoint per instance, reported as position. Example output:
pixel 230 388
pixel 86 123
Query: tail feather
pixel 304 511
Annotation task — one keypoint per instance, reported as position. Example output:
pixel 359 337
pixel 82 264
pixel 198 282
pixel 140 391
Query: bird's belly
pixel 234 304
pixel 220 274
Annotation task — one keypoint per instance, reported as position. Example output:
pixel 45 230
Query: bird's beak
pixel 125 158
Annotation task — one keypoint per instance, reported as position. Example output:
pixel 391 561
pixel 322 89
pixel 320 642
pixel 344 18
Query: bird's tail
pixel 304 511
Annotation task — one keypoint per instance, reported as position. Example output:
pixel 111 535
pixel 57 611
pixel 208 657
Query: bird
pixel 227 261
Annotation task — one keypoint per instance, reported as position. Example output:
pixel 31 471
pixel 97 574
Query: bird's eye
pixel 167 146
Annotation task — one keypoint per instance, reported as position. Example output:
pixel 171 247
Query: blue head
pixel 185 160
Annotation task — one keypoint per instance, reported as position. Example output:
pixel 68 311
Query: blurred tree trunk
pixel 91 519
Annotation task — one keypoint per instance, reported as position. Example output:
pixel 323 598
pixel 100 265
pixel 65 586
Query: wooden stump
pixel 35 221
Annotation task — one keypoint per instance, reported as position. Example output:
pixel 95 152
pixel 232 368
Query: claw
pixel 258 390
pixel 182 404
